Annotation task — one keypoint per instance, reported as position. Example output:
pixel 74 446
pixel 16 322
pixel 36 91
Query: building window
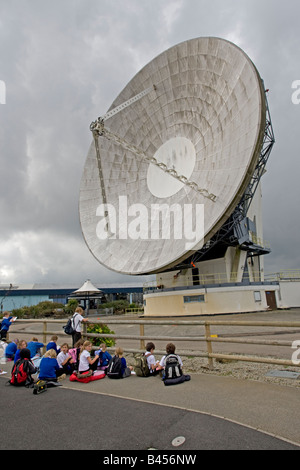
pixel 193 298
pixel 257 296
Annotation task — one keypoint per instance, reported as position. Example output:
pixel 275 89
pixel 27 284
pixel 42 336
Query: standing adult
pixel 77 320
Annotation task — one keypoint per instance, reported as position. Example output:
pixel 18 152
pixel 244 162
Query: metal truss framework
pixel 227 235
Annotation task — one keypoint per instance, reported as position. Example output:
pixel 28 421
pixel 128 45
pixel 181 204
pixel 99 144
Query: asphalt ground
pixel 143 416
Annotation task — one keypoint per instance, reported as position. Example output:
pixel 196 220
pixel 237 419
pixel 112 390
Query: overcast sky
pixel 64 62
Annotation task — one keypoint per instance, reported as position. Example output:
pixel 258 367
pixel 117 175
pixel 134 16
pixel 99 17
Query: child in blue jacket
pixel 49 367
pixel 104 356
pixel 5 324
pixel 34 347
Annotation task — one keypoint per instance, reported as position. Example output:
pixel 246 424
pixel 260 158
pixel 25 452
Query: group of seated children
pixel 170 366
pixel 57 362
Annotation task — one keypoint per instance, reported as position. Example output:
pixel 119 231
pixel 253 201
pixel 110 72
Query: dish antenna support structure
pixel 191 129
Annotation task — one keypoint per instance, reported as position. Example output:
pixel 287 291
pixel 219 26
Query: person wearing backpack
pixel 22 370
pixel 172 365
pixel 154 366
pixel 77 319
pixel 22 344
pixel 117 367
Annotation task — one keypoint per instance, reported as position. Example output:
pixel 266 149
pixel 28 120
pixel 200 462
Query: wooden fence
pixel 192 339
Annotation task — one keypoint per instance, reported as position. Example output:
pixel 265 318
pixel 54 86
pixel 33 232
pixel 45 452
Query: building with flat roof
pixel 26 295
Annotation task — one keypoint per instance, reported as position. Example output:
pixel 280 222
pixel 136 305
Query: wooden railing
pixel 193 338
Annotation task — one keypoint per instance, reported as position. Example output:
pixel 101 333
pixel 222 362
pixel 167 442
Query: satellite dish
pixel 184 134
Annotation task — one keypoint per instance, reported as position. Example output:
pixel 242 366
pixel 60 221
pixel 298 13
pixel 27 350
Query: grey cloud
pixel 65 62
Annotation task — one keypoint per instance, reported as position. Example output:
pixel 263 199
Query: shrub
pixel 71 306
pixel 133 305
pixel 43 309
pixel 99 328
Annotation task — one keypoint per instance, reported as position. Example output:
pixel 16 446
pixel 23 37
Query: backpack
pixel 19 373
pixel 39 387
pixel 69 327
pixel 172 367
pixel 141 367
pixel 114 370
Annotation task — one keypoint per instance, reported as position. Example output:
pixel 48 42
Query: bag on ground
pixel 39 387
pixel 86 378
pixel 141 367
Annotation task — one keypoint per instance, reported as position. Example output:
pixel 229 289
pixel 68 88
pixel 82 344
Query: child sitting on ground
pixel 49 368
pixel 53 344
pixel 104 357
pixel 153 365
pixel 34 347
pixel 114 371
pixel 22 344
pixel 75 352
pixel 65 360
pixel 172 365
pixel 87 365
pixel 28 369
pixel 11 349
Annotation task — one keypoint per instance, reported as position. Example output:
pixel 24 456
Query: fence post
pixel 142 333
pixel 84 327
pixel 209 346
pixel 44 336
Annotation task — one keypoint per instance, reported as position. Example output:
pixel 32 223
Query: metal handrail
pixel 200 279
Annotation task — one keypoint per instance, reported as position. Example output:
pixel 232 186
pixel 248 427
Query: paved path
pixel 210 412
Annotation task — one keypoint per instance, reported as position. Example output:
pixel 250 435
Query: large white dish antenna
pixel 187 130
